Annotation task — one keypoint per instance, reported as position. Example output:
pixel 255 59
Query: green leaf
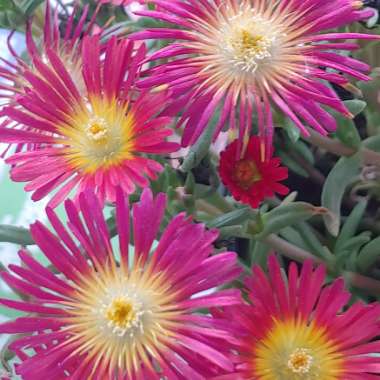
pixel 6 5
pixel 199 150
pixel 293 132
pixel 287 215
pixel 369 255
pixel 293 165
pixel 293 236
pixel 351 225
pixel 259 254
pixel 340 177
pixel 11 19
pixel 28 6
pixel 17 235
pixel 372 143
pixel 355 242
pixel 309 237
pixel 355 106
pixel 236 217
pixel 190 183
pixel 235 231
pixel 347 132
pixel 305 151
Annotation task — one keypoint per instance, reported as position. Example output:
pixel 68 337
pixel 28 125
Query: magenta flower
pixel 243 56
pixel 12 74
pixel 94 130
pixel 295 328
pixel 113 314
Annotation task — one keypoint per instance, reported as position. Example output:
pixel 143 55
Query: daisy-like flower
pixel 297 329
pixel 65 41
pixel 95 140
pixel 240 55
pixel 116 314
pixel 251 179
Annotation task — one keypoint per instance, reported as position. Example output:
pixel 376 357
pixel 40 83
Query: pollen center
pixel 124 315
pixel 102 136
pixel 297 350
pixel 121 313
pixel 249 48
pixel 97 129
pixel 300 361
pixel 247 173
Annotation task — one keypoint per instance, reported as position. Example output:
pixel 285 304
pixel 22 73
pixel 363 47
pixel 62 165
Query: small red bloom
pixel 251 178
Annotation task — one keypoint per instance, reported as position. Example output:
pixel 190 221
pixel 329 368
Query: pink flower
pixel 121 313
pixel 237 57
pixel 94 130
pixel 295 328
pixel 13 83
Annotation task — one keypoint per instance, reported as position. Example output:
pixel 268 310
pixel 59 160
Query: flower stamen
pixel 300 361
pixel 124 315
pixel 97 129
pixel 247 173
pixel 249 48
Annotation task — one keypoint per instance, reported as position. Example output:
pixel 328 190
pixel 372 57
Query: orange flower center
pixel 247 173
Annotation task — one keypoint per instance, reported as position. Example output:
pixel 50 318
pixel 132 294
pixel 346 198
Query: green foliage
pixel 27 7
pixel 16 235
pixel 344 173
pixel 286 215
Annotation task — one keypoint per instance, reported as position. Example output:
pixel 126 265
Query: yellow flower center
pixel 249 48
pixel 97 129
pixel 247 173
pixel 99 136
pixel 300 361
pixel 246 41
pixel 121 313
pixel 297 350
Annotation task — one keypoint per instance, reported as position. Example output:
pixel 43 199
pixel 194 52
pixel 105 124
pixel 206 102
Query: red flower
pixel 251 178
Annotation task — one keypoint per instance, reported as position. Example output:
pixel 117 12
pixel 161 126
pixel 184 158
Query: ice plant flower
pixel 97 140
pixel 251 178
pixel 237 56
pixel 66 44
pixel 116 314
pixel 65 41
pixel 296 328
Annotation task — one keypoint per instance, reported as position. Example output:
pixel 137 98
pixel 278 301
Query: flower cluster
pixel 149 293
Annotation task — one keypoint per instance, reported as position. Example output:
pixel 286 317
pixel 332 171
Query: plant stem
pixel 289 250
pixel 357 280
pixel 202 205
pixel 293 252
pixel 334 146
